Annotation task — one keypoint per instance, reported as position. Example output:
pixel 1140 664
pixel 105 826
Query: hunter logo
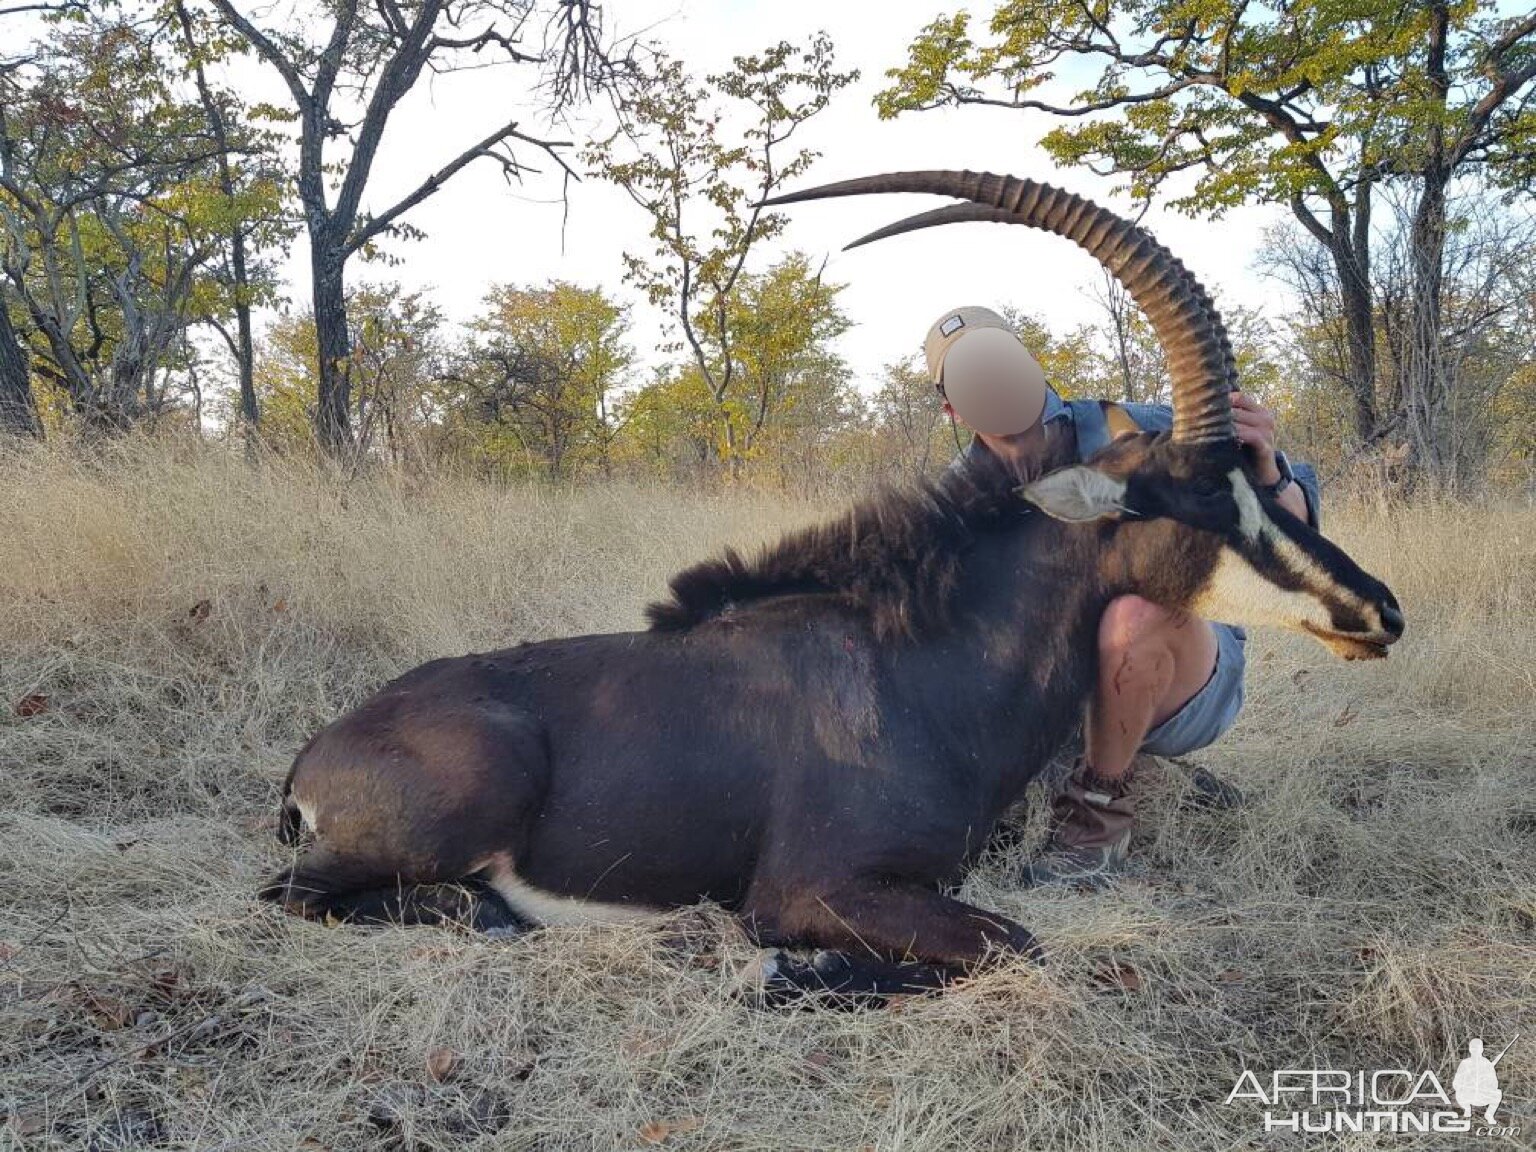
pixel 1388 1100
pixel 1477 1083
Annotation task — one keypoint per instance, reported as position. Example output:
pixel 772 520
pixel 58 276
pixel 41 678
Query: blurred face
pixel 992 384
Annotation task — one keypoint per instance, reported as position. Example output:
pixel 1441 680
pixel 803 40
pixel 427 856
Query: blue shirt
pixel 1149 418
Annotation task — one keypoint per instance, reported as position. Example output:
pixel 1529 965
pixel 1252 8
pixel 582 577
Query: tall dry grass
pixel 177 623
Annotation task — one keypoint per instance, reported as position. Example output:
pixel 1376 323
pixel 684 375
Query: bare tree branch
pixel 485 149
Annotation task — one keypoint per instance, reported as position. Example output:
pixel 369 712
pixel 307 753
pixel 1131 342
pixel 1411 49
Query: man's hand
pixel 1256 429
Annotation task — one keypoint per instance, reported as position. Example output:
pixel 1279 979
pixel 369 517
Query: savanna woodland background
pixel 236 497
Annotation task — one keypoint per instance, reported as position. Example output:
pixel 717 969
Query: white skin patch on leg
pixel 307 815
pixel 552 910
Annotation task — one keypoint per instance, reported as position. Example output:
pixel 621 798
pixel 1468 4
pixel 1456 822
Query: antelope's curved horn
pixel 949 214
pixel 1200 359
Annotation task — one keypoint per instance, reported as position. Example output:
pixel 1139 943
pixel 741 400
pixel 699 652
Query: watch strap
pixel 1287 477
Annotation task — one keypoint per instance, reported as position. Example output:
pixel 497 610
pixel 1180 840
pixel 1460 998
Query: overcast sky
pixel 480 230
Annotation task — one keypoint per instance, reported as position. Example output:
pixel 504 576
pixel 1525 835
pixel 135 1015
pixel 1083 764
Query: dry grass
pixel 190 621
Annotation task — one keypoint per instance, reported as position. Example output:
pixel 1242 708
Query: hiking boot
pixel 1209 792
pixel 1091 834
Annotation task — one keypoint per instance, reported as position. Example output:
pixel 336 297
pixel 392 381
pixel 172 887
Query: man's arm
pixel 1311 492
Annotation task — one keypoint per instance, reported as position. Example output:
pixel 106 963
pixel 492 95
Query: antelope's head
pixel 1190 528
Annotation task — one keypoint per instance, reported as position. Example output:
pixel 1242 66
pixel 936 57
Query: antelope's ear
pixel 1077 494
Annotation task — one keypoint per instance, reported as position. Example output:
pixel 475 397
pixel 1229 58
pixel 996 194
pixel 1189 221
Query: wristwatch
pixel 1287 478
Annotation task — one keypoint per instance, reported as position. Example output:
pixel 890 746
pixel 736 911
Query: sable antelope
pixel 821 737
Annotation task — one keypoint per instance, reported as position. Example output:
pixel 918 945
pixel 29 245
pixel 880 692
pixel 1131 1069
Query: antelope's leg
pixel 883 938
pixel 321 886
pixel 787 978
pixel 469 904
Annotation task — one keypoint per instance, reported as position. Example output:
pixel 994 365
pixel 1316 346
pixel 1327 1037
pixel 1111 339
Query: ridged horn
pixel 1200 360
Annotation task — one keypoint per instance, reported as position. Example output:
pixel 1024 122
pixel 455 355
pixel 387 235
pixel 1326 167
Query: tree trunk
pixel 1426 388
pixel 18 414
pixel 333 401
pixel 67 370
pixel 245 355
pixel 1353 268
pixel 1347 238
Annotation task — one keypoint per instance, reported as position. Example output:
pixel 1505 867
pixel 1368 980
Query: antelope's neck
pixel 1013 671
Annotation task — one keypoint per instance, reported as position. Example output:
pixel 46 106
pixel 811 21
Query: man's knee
pixel 1146 647
pixel 1131 622
pixel 1134 644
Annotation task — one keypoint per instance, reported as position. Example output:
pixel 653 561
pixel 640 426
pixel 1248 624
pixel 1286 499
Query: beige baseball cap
pixel 982 368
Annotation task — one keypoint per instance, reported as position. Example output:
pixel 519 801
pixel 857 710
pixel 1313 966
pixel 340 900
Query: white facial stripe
pixel 1251 515
pixel 548 909
pixel 1237 593
pixel 1314 575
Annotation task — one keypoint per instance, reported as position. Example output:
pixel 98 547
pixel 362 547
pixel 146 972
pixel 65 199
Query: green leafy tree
pixel 246 204
pixel 1071 364
pixel 1486 299
pixel 104 227
pixel 699 159
pixel 909 427
pixel 790 398
pixel 790 390
pixel 1312 106
pixel 398 367
pixel 283 375
pixel 671 426
pixel 544 374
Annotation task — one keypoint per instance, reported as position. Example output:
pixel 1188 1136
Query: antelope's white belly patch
pixel 552 910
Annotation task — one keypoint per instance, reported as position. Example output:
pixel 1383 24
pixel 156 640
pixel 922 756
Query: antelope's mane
pixel 894 556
